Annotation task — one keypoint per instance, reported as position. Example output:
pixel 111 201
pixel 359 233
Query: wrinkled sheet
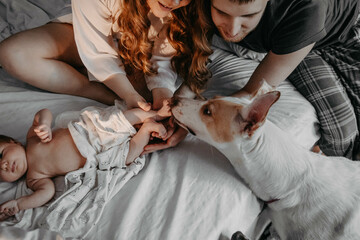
pixel 19 15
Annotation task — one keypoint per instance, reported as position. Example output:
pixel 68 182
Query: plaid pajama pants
pixel 329 79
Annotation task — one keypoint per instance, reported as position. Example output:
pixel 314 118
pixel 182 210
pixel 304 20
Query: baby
pixel 55 153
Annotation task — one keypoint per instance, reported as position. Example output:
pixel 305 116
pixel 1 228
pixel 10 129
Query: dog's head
pixel 223 119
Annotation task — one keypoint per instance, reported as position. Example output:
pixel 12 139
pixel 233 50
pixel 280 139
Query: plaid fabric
pixel 330 79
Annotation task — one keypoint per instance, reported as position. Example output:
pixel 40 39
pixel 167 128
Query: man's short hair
pixel 242 1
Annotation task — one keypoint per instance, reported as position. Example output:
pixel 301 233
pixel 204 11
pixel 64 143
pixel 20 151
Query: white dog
pixel 309 196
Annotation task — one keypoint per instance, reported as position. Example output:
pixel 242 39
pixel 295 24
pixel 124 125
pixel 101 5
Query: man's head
pixel 235 19
pixel 13 163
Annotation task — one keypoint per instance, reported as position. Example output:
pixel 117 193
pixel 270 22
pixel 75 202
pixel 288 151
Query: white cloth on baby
pixel 102 135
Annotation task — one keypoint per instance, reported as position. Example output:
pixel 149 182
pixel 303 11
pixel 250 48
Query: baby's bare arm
pixel 41 126
pixel 44 190
pixel 142 137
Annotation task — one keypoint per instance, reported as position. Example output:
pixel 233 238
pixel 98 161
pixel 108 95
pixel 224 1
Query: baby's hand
pixel 8 209
pixel 43 131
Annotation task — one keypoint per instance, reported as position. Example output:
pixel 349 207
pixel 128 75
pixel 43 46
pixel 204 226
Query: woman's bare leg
pixel 46 57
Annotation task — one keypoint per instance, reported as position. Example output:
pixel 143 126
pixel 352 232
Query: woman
pixel 105 37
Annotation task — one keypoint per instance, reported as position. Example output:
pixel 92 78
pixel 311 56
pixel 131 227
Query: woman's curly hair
pixel 136 48
pixel 189 33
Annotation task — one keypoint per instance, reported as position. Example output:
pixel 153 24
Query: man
pixel 315 44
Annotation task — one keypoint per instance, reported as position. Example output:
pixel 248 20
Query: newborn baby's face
pixel 13 163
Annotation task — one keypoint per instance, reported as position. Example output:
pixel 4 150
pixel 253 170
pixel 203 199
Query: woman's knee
pixel 9 53
pixel 51 41
pixel 20 50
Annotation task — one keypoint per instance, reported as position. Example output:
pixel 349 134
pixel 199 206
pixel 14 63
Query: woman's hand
pixel 135 100
pixel 120 84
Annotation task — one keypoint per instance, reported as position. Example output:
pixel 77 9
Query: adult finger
pixel 144 105
pixel 154 147
pixel 174 140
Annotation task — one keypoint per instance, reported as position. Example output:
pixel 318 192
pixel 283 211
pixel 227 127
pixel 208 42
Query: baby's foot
pixel 164 111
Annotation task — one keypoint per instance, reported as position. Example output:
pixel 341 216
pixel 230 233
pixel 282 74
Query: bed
pixel 187 192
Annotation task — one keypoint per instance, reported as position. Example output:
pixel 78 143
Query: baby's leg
pixel 142 137
pixel 46 57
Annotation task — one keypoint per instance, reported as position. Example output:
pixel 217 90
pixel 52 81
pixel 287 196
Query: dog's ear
pixel 264 88
pixel 257 111
pixel 184 91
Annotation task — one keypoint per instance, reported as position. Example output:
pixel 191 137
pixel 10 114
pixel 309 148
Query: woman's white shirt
pixel 96 26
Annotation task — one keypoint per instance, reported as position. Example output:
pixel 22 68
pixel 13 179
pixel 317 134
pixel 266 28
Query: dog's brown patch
pixel 218 116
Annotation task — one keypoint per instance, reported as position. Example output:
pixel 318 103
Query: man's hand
pixel 8 209
pixel 43 131
pixel 174 136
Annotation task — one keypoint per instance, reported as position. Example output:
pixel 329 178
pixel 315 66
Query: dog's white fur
pixel 317 197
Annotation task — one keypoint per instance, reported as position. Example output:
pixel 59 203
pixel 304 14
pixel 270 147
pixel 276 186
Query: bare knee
pixel 16 53
pixel 9 53
pixel 50 41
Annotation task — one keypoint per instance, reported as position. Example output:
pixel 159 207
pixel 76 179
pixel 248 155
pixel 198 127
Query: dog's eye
pixel 207 111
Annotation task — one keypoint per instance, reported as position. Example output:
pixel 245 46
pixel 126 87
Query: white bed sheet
pixel 187 192
pixel 184 192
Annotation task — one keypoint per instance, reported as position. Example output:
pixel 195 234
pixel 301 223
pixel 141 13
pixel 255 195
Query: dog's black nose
pixel 238 236
pixel 174 101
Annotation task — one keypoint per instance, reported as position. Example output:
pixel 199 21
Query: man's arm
pixel 44 190
pixel 274 69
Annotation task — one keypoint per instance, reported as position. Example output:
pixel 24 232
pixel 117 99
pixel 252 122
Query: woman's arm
pixel 93 26
pixel 274 69
pixel 121 85
pixel 163 84
pixel 137 115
